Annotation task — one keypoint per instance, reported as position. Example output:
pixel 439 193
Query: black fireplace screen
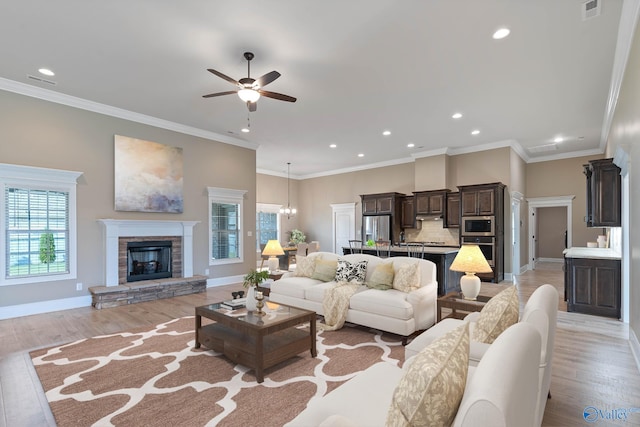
pixel 148 260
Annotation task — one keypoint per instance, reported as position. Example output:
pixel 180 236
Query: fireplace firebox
pixel 148 260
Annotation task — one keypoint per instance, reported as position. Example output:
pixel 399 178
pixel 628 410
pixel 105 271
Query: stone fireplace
pixel 149 259
pixel 118 233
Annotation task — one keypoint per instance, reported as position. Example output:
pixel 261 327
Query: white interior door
pixel 344 225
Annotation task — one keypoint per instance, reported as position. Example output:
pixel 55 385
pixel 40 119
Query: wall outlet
pixel 79 286
pixel 249 233
pixel 206 271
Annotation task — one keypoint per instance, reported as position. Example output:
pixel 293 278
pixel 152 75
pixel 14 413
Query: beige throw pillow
pixel 497 315
pixel 430 391
pixel 407 278
pixel 325 270
pixel 382 276
pixel 304 266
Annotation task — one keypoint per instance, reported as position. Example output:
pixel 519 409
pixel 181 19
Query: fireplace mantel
pixel 116 228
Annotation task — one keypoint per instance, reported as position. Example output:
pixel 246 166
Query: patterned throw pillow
pixel 382 277
pixel 351 271
pixel 430 391
pixel 407 278
pixel 497 315
pixel 325 270
pixel 304 266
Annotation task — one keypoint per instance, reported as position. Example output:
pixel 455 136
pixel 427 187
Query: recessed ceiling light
pixel 245 130
pixel 332 146
pixel 360 155
pixel 456 115
pixel 386 133
pixel 475 132
pixel 411 145
pixel 46 72
pixel 557 140
pixel 501 33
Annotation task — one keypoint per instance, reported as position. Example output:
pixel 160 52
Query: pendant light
pixel 288 211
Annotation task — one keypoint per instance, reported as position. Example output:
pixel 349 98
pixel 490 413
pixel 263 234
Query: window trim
pixel 37 178
pixel 227 195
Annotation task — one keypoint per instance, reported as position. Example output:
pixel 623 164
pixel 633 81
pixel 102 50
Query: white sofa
pixel 500 391
pixel 401 313
pixel 540 311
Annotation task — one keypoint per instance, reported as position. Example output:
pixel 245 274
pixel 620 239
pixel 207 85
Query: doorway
pixel 344 225
pixel 546 202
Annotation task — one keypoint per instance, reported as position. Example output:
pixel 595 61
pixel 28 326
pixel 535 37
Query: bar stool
pixel 355 246
pixel 383 248
pixel 415 249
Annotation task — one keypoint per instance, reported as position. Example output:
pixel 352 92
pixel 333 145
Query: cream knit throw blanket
pixel 336 304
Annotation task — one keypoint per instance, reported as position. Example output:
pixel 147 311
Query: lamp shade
pixel 470 259
pixel 272 248
pixel 248 95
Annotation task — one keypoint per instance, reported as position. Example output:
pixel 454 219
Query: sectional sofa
pixel 393 310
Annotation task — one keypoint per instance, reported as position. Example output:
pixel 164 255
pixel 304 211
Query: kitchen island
pixel 592 281
pixel 441 256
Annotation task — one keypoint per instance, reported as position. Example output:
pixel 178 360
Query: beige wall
pixel 45 134
pixel 551 225
pixel 273 189
pixel 432 173
pixel 564 178
pixel 625 134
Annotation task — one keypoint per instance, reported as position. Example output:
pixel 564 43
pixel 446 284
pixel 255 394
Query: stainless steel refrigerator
pixel 377 227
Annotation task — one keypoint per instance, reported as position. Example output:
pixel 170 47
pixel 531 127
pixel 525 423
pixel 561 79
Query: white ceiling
pixel 357 67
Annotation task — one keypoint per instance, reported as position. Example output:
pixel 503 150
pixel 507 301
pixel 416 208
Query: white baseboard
pixel 222 281
pixel 635 347
pixel 20 310
pixel 550 259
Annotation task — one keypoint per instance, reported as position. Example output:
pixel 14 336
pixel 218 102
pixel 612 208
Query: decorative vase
pixel 251 298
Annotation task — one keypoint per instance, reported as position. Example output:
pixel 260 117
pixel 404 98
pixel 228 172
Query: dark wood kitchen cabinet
pixel 380 204
pixel 452 218
pixel 408 212
pixel 479 200
pixel 430 202
pixel 592 286
pixel 604 193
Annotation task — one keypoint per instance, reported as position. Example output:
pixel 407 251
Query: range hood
pixel 429 217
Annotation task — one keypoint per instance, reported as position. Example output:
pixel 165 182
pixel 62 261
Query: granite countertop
pixel 438 250
pixel 595 253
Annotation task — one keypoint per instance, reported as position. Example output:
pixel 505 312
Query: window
pixel 267 224
pixel 225 225
pixel 39 219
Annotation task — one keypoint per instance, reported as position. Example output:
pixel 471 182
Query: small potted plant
pixel 297 236
pixel 251 281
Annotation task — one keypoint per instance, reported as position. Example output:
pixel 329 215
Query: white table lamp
pixel 470 260
pixel 272 250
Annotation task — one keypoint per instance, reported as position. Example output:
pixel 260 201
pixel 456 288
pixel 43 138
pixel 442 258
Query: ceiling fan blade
pixel 277 96
pixel 211 95
pixel 267 78
pixel 223 76
pixel 252 106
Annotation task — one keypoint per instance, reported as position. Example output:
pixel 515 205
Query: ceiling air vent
pixel 41 80
pixel 590 9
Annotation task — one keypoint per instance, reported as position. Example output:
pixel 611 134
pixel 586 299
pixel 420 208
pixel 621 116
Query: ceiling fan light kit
pixel 249 90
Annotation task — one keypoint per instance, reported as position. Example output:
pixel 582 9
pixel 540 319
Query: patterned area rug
pixel 154 377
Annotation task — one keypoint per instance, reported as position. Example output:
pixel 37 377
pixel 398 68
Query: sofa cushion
pixel 407 277
pixel 304 266
pixel 391 303
pixel 382 276
pixel 497 315
pixel 431 389
pixel 294 286
pixel 351 271
pixel 316 293
pixel 325 270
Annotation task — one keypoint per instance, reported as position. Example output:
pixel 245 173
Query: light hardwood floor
pixel 592 365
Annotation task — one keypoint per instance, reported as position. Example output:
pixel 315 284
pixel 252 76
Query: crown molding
pixel 107 110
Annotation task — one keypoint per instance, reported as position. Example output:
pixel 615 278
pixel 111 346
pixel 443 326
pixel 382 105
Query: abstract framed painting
pixel 148 176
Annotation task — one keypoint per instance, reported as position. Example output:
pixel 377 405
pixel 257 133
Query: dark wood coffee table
pixel 255 341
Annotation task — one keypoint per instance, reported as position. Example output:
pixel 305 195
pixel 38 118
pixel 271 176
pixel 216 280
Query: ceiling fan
pixel 250 90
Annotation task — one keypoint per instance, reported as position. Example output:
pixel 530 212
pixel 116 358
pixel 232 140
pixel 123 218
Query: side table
pixel 459 306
